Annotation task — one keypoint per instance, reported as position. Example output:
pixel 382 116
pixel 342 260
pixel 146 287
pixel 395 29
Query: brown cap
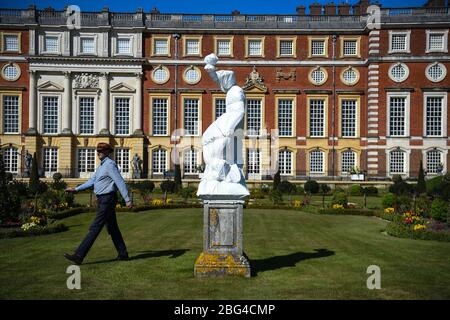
pixel 102 146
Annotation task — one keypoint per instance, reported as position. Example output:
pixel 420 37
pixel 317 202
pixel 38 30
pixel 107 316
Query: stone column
pixel 32 112
pixel 137 114
pixel 104 108
pixel 67 105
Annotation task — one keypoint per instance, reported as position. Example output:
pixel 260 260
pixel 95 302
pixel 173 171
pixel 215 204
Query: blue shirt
pixel 106 179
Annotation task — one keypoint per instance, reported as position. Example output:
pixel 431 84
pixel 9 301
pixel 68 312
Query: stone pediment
pixel 50 86
pixel 122 87
pixel 254 82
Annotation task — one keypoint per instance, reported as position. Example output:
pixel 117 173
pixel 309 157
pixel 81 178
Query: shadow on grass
pixel 290 260
pixel 172 254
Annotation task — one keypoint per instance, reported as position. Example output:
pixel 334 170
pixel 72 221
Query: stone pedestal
pixel 222 239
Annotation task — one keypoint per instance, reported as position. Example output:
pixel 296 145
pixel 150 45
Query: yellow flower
pixel 419 227
pixel 389 210
pixel 338 206
pixel 157 202
pixel 297 203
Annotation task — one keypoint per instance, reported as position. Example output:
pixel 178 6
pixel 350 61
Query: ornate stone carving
pixel 286 75
pixel 85 81
pixel 254 80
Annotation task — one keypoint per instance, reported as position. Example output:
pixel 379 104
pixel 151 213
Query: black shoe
pixel 74 258
pixel 123 258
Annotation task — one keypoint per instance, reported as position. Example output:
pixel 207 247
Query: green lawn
pixel 294 255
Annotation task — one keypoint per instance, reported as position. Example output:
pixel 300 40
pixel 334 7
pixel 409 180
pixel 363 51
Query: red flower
pixel 408 220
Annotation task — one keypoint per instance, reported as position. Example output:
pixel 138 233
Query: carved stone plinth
pixel 222 239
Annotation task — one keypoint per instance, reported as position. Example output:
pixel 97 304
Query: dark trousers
pixel 106 214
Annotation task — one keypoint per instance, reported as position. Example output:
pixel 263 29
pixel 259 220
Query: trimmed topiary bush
pixel 388 200
pixel 286 187
pixel 168 186
pixel 355 190
pixel 312 187
pixel 371 190
pixel 400 187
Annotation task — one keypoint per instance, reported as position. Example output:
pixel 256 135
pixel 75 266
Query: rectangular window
pixel 122 158
pixel 434 116
pixel 191 115
pixel 87 45
pixel 348 161
pixel 254 117
pixel 50 160
pixel 399 42
pixel 122 115
pixel 159 161
pixel 190 162
pixel 397 161
pixel 350 48
pixel 224 47
pixel 50 112
pixel 254 47
pixel 317 47
pixel 192 47
pixel 286 47
pixel 10 114
pixel 161 47
pixel 11 43
pixel 86 160
pixel 348 118
pixel 87 115
pixel 11 160
pixel 285 162
pixel 285 114
pixel 434 161
pixel 316 118
pixel 436 41
pixel 123 46
pixel 316 162
pixel 253 162
pixel 220 107
pixel 51 44
pixel 159 116
pixel 397 116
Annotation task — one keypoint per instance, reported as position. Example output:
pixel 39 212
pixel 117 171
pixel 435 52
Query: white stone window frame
pixel 123 152
pixel 325 77
pixel 160 38
pixel 357 74
pixel 291 164
pixel 160 67
pixel 3 42
pixel 341 158
pixel 15 65
pixel 49 174
pixel 76 122
pixel 407 48
pixel 199 115
pixel 324 120
pixel 442 95
pixel 293 114
pixel 444 73
pixel 406 161
pixel 41 96
pixel 192 67
pixel 406 95
pixel 198 158
pixel 84 174
pixel 261 117
pixel 199 46
pixel 444 153
pixel 130 38
pixel 78 42
pixel 230 40
pixel 42 48
pixel 261 54
pixel 406 72
pixel 152 99
pixel 357 115
pixel 166 156
pixel 444 44
pixel 13 157
pixel 324 160
pixel 257 157
pixel 114 97
pixel 2 114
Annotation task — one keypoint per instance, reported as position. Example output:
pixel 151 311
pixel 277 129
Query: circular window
pixel 398 72
pixel 318 76
pixel 160 74
pixel 192 75
pixel 350 76
pixel 11 72
pixel 436 72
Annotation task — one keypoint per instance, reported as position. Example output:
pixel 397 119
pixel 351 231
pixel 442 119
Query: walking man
pixel 106 180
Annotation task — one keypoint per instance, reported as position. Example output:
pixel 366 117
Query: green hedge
pixel 401 230
pixel 69 212
pixel 15 233
pixel 358 212
pixel 165 206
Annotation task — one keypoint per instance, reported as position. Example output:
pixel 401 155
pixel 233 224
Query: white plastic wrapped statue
pixel 222 176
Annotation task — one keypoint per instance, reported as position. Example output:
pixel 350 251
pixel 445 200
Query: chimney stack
pixel 315 8
pixel 330 9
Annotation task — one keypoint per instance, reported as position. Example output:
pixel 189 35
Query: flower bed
pixel 30 230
